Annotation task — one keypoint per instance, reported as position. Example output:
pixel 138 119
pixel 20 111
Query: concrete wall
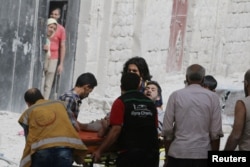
pixel 216 36
pixel 21 37
pixel 109 33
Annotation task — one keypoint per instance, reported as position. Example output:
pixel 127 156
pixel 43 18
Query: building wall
pixel 216 36
pixel 21 35
pixel 112 32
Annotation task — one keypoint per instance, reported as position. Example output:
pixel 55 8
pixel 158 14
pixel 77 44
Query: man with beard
pixel 153 91
pixel 84 85
pixel 240 135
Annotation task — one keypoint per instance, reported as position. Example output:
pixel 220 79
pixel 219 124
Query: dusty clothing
pixel 244 144
pixel 192 119
pixel 47 125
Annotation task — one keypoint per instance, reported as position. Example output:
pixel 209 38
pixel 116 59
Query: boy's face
pixel 151 91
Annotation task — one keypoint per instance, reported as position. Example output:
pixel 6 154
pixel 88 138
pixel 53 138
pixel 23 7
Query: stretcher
pixel 92 141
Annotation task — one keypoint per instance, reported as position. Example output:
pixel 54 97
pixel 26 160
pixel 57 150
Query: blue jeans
pixel 53 157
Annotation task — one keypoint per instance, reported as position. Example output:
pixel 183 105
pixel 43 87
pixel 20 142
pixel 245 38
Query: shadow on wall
pixel 228 99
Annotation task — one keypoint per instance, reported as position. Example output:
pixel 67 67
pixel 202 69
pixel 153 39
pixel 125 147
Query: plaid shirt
pixel 73 103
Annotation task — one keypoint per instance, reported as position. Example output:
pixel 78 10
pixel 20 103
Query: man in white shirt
pixel 192 122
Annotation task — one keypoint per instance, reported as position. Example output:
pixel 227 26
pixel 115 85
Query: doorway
pixel 69 20
pixel 63 6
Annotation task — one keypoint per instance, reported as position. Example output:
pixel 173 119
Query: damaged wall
pixel 22 29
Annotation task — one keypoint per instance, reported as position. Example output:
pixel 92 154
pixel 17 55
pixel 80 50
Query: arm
pixel 167 144
pixel 116 121
pixel 82 126
pixel 215 144
pixel 25 129
pixel 46 47
pixel 239 121
pixel 62 48
pixel 215 131
pixel 104 128
pixel 62 56
pixel 109 140
pixel 168 126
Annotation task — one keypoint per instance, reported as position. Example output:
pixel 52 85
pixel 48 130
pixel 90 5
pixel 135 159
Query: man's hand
pixel 77 126
pixel 165 161
pixel 59 69
pixel 46 47
pixel 96 156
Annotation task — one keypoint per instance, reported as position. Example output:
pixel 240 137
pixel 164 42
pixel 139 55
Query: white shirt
pixel 192 119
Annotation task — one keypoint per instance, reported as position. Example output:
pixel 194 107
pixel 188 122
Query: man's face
pixel 133 69
pixel 151 91
pixel 55 14
pixel 85 91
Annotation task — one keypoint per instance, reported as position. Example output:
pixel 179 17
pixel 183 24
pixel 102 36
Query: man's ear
pixel 28 104
pixel 187 80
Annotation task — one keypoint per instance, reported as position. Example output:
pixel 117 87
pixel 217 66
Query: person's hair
pixel 130 81
pixel 86 79
pixel 159 102
pixel 141 65
pixel 210 82
pixel 195 73
pixel 32 95
pixel 247 76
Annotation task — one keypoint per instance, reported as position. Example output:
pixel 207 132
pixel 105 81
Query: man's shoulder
pixel 60 28
pixel 134 94
pixel 178 91
pixel 68 94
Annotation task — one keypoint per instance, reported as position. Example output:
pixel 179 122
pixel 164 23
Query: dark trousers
pixel 138 158
pixel 177 162
pixel 53 157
